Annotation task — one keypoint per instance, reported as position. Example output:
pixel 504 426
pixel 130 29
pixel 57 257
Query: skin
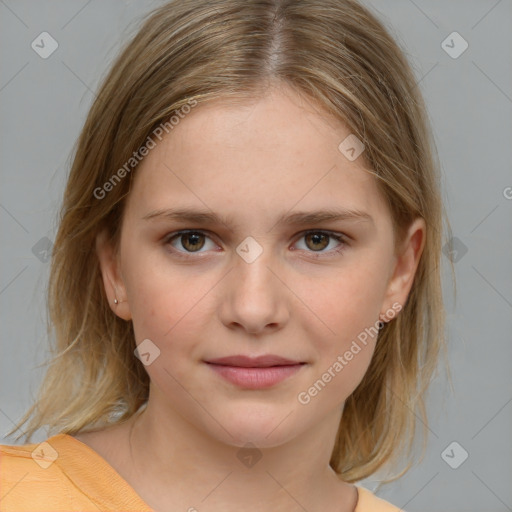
pixel 255 162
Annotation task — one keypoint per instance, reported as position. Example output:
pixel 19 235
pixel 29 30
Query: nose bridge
pixel 252 267
pixel 256 297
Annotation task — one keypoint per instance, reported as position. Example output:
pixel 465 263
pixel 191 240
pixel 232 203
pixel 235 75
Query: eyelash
pixel 316 254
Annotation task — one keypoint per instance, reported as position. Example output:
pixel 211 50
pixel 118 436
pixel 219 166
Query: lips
pixel 255 372
pixel 254 362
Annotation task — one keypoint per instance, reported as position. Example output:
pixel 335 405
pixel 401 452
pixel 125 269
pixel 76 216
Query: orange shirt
pixel 62 474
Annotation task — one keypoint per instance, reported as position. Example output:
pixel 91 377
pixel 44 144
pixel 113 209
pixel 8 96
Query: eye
pixel 189 242
pixel 317 241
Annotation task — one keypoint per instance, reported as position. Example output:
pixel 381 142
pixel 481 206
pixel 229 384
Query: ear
pixel 406 263
pixel 112 280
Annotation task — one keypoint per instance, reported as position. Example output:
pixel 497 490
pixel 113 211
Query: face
pixel 250 283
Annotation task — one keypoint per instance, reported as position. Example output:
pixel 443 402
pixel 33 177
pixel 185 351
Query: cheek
pixel 342 321
pixel 166 302
pixel 168 311
pixel 152 293
pixel 343 303
pixel 341 359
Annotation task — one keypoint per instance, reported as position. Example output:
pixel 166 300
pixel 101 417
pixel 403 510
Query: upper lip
pixel 253 362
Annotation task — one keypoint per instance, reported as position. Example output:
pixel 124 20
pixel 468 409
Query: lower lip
pixel 255 378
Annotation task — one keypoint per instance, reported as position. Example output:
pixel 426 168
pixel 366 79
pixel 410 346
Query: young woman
pixel 245 284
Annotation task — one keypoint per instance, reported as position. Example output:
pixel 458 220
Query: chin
pixel 265 426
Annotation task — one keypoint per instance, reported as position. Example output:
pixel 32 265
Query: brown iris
pixel 192 241
pixel 317 238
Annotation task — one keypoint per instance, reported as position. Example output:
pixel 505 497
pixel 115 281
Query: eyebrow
pixel 286 219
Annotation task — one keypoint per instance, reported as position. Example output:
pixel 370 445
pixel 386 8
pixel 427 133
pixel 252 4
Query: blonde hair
pixel 338 54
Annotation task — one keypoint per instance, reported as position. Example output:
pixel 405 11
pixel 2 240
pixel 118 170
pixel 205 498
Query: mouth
pixel 255 372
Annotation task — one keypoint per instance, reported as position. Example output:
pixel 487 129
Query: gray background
pixel 43 103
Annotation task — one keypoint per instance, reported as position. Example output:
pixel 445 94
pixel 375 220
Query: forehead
pixel 276 153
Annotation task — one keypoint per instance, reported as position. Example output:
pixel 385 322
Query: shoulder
pixel 30 477
pixel 368 502
pixel 62 474
pixel 26 460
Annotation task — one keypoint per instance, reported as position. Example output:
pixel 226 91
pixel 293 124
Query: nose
pixel 254 297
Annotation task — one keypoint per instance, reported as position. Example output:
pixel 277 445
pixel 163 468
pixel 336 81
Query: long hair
pixel 189 52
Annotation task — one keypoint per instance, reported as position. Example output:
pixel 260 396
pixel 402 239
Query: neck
pixel 185 466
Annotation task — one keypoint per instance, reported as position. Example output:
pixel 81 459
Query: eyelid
pixel 334 234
